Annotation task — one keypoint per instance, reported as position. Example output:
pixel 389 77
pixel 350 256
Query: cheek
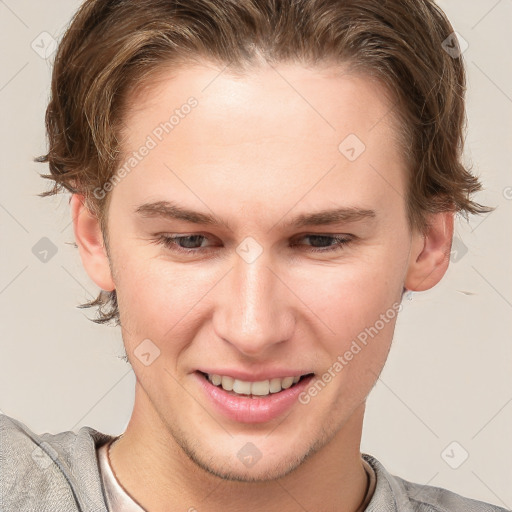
pixel 158 297
pixel 359 302
pixel 355 293
pixel 361 308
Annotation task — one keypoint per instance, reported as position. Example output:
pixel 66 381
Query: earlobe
pixel 90 243
pixel 430 253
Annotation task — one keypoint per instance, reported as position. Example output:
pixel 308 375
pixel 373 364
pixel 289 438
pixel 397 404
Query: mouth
pixel 259 389
pixel 252 402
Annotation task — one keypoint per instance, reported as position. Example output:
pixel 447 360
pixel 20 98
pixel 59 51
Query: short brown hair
pixel 113 48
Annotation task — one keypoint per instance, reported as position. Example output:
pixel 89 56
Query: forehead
pixel 271 134
pixel 322 102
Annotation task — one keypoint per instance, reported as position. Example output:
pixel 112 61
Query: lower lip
pixel 252 410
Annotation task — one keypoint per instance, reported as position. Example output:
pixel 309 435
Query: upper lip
pixel 254 376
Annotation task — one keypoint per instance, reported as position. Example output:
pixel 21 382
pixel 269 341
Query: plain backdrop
pixel 446 391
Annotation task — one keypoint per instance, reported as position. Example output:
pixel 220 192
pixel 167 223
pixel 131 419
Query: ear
pixel 430 253
pixel 90 243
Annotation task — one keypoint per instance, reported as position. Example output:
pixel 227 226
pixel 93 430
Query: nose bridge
pixel 257 312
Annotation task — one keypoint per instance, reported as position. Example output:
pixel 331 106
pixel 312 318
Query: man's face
pixel 255 294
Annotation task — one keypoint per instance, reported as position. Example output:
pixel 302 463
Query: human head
pixel 113 50
pixel 255 150
pixel 256 300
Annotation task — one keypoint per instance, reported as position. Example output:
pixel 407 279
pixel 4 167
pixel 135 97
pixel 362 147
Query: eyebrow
pixel 171 210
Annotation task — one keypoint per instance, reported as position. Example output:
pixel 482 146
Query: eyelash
pixel 171 243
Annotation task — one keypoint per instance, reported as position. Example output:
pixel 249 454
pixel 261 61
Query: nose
pixel 255 310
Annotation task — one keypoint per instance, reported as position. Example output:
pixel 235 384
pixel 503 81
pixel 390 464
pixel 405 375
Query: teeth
pixel 260 388
pixel 287 382
pixel 241 387
pixel 275 385
pixel 227 382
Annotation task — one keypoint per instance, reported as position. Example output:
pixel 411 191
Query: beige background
pixel 448 377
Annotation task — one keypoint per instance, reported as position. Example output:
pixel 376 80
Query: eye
pixel 335 242
pixel 174 243
pixel 192 244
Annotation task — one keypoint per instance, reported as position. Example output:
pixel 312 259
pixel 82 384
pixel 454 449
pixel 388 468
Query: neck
pixel 156 471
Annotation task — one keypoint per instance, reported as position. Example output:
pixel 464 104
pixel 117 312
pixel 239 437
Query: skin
pixel 255 153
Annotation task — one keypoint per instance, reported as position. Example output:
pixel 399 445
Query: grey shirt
pixel 61 473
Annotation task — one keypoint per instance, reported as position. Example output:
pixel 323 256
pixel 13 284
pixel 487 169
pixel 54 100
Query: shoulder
pixel 57 472
pixel 399 495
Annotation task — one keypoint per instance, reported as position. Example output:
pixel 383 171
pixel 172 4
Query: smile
pixel 246 388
